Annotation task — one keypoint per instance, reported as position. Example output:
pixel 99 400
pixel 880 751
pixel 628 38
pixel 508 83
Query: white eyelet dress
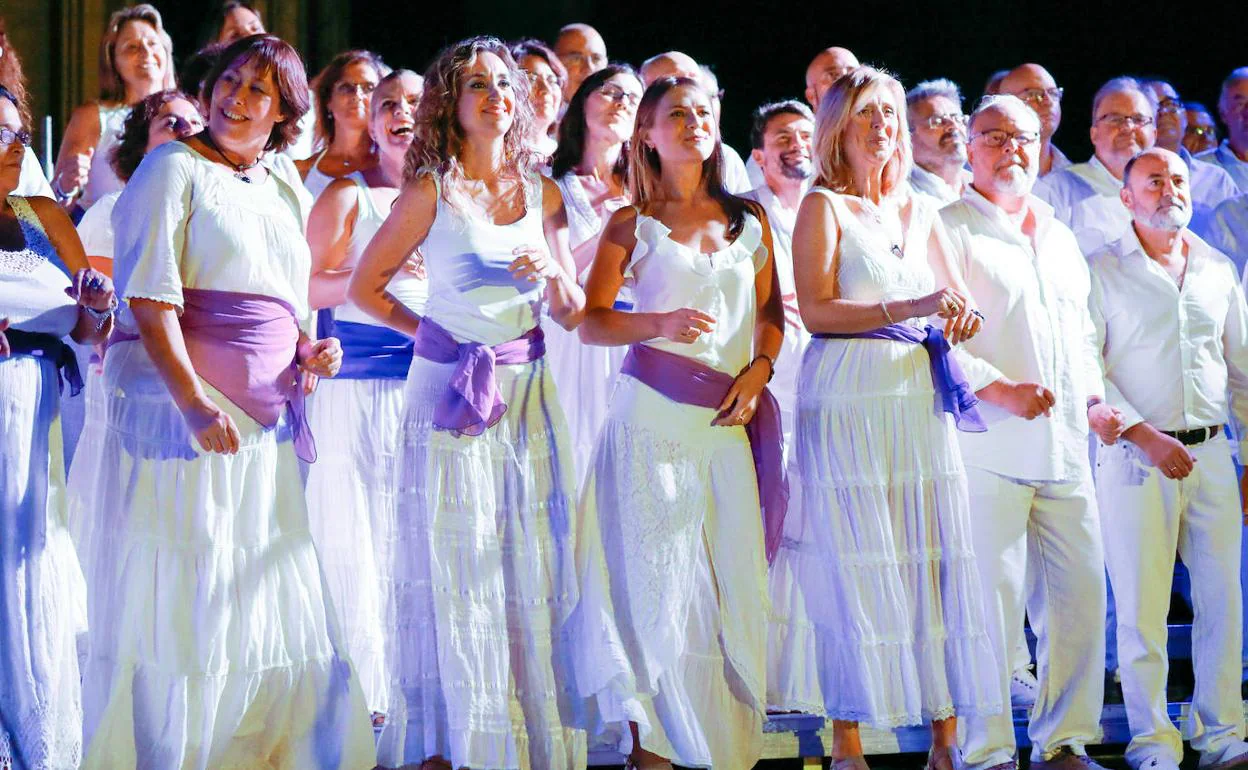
pixel 886 566
pixel 484 579
pixel 672 628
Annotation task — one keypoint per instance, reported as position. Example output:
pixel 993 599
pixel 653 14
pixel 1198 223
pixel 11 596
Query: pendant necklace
pixel 240 169
pixel 873 211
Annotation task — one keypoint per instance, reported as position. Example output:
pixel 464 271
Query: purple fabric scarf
pixel 688 381
pixel 953 393
pixel 472 403
pixel 244 346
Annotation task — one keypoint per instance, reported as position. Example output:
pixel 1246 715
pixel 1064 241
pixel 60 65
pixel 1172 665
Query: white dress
pixel 484 576
pixel 350 487
pixel 316 181
pixel 212 641
pixel 672 627
pixel 101 179
pixel 885 565
pixel 42 595
pixel 584 374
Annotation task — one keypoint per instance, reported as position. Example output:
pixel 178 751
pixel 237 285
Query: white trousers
pixel 1146 519
pixel 1053 529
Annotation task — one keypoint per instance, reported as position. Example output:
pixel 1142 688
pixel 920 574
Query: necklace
pixel 240 169
pixel 870 208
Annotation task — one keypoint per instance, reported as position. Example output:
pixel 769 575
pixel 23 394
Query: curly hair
pixel 273 56
pixel 439 138
pixel 127 153
pixel 835 112
pixel 645 169
pixel 12 77
pixel 327 79
pixel 573 131
pixel 112 87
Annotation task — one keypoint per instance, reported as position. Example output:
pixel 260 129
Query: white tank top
pixel 404 286
pixel 317 180
pixel 471 293
pixel 103 180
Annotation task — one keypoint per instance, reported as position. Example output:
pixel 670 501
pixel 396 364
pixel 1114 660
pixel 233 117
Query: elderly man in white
pixel 1036 371
pixel 1084 196
pixel 1037 88
pixel 937 140
pixel 1232 154
pixel 1165 303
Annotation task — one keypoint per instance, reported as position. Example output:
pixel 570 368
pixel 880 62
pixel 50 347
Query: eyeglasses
pixel 619 95
pixel 551 81
pixel 949 120
pixel 1041 95
pixel 997 138
pixel 348 89
pixel 1169 107
pixel 1119 122
pixel 1202 130
pixel 8 136
pixel 594 61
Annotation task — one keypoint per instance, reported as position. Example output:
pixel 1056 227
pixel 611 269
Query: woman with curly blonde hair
pixel 484 502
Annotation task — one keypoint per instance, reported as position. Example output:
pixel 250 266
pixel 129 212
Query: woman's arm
pixel 90 288
pixel 404 230
pixel 566 298
pixel 330 226
pixel 73 161
pixel 941 257
pixel 604 325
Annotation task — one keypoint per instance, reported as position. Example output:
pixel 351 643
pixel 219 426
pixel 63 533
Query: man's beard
pixel 1016 182
pixel 802 169
pixel 1170 218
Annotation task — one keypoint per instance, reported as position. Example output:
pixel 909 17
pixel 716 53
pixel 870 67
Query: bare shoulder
pixel 53 218
pixel 552 196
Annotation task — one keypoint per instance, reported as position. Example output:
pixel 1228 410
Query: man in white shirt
pixel 1035 369
pixel 1084 197
pixel 1227 231
pixel 1039 91
pixel 1232 154
pixel 1164 302
pixel 937 140
pixel 823 70
pixel 582 51
pixel 1210 184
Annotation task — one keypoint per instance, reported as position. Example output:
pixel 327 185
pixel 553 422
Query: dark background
pixel 760 50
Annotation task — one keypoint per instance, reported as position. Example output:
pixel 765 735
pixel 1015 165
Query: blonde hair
pixel 835 113
pixel 112 87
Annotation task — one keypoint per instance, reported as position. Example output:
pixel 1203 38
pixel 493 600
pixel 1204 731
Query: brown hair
pixel 12 77
pixel 128 152
pixel 439 138
pixel 273 56
pixel 325 82
pixel 645 170
pixel 836 110
pixel 112 87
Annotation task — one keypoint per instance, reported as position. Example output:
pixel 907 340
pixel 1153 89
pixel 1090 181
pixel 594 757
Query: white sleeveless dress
pixel 483 572
pixel 42 595
pixel 672 628
pixel 350 487
pixel 884 561
pixel 101 179
pixel 316 181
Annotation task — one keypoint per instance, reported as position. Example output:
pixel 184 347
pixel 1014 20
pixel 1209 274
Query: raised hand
pixel 685 325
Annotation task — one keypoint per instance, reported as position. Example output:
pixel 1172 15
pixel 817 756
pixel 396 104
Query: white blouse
pixel 184 221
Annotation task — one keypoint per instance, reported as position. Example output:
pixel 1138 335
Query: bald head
pixel 828 65
pixel 582 51
pixel 670 64
pixel 1034 85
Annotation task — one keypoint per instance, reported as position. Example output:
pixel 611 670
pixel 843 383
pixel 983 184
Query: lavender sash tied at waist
pixel 51 348
pixel 953 393
pixel 244 346
pixel 688 381
pixel 472 403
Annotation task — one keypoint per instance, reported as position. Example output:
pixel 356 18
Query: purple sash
pixel 244 346
pixel 953 393
pixel 688 381
pixel 472 403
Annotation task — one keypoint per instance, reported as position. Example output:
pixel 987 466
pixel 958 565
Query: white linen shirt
pixel 1034 296
pixel 926 183
pixel 1224 156
pixel 1227 231
pixel 1085 198
pixel 1171 354
pixel 1211 185
pixel 1060 161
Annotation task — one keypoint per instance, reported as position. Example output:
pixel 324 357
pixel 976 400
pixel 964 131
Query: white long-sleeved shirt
pixel 1224 156
pixel 925 182
pixel 1227 231
pixel 1085 198
pixel 1033 292
pixel 1171 354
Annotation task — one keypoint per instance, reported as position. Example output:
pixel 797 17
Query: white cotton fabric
pixel 316 181
pixel 1227 231
pixel 1224 156
pixel 32 181
pixel 95 229
pixel 42 595
pixel 101 179
pixel 484 535
pixel 1084 197
pixel 213 643
pixel 671 630
pixel 350 487
pixel 884 498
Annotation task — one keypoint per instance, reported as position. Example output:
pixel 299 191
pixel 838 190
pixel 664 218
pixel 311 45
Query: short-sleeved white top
pixel 185 221
pixel 669 276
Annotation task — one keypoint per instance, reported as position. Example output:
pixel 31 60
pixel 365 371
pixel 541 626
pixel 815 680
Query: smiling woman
pixel 343 92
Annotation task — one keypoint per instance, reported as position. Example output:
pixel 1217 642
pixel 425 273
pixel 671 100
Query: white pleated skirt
pixel 671 631
pixel 484 582
pixel 584 376
pixel 879 557
pixel 41 586
pixel 213 643
pixel 350 492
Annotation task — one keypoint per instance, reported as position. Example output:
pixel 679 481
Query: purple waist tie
pixel 953 393
pixel 472 403
pixel 692 382
pixel 244 346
